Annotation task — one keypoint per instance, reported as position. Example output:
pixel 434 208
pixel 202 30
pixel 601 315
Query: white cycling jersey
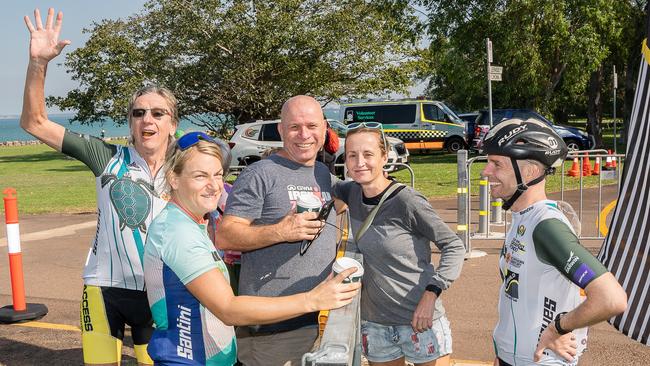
pixel 544 269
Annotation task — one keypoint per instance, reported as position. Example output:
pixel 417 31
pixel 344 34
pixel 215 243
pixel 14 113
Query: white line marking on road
pixel 52 233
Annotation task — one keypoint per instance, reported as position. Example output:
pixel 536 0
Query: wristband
pixel 435 289
pixel 558 328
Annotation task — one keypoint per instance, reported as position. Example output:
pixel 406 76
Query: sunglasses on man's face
pixel 156 113
pixel 192 138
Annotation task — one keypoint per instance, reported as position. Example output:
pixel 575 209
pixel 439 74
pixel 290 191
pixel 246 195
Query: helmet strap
pixel 521 186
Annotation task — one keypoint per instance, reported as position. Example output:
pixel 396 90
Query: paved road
pixel 55 248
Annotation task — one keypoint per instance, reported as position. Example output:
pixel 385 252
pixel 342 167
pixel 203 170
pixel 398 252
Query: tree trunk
pixel 595 106
pixel 631 74
pixel 560 116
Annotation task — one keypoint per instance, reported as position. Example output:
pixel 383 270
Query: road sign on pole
pixel 495 77
pixel 489 50
pixel 488 45
pixel 615 85
pixel 496 69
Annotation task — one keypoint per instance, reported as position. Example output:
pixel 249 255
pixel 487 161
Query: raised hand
pixel 44 43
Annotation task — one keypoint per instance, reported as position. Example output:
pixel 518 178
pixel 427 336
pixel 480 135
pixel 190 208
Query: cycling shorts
pixel 104 313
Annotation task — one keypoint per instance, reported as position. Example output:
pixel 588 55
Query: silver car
pixel 252 140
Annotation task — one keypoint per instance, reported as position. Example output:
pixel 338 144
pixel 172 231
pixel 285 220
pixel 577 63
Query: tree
pixel 240 60
pixel 626 53
pixel 548 50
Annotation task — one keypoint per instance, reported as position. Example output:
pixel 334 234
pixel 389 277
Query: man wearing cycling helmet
pixel 553 288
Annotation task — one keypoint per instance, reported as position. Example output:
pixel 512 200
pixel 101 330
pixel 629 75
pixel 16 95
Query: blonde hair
pixel 381 139
pixel 176 158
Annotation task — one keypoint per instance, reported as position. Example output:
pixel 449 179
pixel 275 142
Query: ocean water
pixel 10 128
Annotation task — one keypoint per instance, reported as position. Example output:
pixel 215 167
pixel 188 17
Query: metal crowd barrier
pixel 490 215
pixel 341 340
pixel 236 169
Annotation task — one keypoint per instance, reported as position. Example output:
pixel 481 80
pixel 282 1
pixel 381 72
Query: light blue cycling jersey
pixel 178 251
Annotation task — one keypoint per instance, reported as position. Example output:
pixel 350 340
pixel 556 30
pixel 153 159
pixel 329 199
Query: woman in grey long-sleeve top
pixel 402 316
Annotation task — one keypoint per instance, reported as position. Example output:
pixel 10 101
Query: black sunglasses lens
pixel 137 113
pixel 158 112
pixel 304 246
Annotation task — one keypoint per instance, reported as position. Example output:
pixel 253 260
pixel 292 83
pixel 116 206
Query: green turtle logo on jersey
pixel 131 199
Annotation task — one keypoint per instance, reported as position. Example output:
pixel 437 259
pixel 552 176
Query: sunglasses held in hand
pixel 322 216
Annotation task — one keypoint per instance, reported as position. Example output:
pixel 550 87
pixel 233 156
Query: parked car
pixel 575 138
pixel 423 125
pixel 251 140
pixel 470 123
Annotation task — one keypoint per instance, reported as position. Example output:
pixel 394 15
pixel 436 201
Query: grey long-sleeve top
pixel 396 250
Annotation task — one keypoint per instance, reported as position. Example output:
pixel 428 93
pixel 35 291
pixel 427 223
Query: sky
pixel 77 14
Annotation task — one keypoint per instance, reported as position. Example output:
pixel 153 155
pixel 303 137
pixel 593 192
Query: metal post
pixel 488 44
pixel 483 205
pixel 615 81
pixel 496 211
pixel 462 219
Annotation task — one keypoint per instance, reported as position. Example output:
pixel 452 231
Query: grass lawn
pixel 48 181
pixel 436 176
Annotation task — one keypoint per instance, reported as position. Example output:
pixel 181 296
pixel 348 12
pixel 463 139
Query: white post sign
pixel 495 77
pixel 489 50
pixel 496 70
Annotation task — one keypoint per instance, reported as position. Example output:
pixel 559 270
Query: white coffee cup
pixel 308 203
pixel 343 263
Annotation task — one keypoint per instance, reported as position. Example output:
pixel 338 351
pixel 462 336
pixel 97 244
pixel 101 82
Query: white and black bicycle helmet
pixel 524 140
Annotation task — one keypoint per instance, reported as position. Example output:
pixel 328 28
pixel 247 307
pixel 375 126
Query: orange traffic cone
pixel 586 166
pixel 575 169
pixel 596 170
pixel 613 162
pixel 608 163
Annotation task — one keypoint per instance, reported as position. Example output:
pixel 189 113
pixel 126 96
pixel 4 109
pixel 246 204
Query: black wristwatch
pixel 435 289
pixel 558 328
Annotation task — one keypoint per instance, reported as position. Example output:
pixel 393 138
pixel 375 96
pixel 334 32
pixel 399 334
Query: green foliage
pixel 548 50
pixel 240 60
